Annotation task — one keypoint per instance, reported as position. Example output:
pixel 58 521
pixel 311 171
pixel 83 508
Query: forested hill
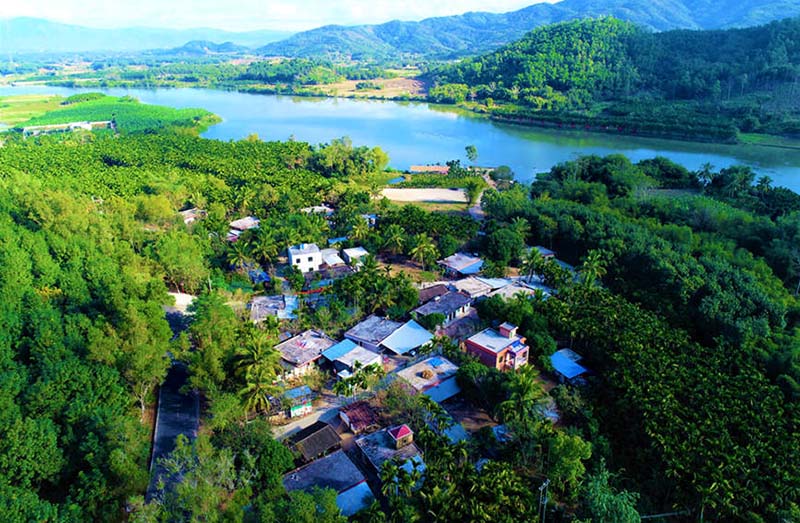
pixel 474 33
pixel 745 77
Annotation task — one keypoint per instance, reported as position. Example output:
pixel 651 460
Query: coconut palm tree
pixel 532 263
pixel 238 255
pixel 424 249
pixel 264 249
pixel 257 390
pixel 360 230
pixel 394 238
pixel 525 393
pixel 593 268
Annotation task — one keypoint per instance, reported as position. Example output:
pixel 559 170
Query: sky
pixel 245 15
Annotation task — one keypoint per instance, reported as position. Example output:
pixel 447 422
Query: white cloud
pixel 245 14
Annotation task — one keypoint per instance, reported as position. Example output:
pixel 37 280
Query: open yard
pixel 433 195
pixel 389 88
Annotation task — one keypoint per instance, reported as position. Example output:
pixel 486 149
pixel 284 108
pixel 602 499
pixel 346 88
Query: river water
pixel 420 133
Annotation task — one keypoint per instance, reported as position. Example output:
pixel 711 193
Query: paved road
pixel 177 414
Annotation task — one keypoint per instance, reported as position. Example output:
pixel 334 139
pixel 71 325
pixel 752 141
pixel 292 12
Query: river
pixel 420 133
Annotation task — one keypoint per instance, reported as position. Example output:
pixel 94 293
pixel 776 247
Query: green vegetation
pixel 611 75
pixel 17 109
pixel 129 115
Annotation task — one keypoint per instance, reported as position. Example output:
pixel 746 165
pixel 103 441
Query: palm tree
pixel 521 227
pixel 238 255
pixel 255 394
pixel 532 263
pixel 423 250
pixel 394 238
pixel 526 392
pixel 360 229
pixel 264 248
pixel 764 184
pixel 593 268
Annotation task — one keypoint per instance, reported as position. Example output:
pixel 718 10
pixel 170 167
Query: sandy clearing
pixel 426 195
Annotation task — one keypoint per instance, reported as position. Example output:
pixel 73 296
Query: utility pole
pixel 543 499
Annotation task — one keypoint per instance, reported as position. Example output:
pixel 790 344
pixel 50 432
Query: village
pixel 331 413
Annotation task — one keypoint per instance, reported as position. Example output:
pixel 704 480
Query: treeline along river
pixel 419 133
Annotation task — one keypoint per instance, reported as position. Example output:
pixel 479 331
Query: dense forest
pixel 613 73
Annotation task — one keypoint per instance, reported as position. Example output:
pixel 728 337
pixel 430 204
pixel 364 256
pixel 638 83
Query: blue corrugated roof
pixel 566 366
pixel 299 392
pixel 339 350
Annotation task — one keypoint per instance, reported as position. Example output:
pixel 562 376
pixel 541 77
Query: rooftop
pixel 373 330
pixel 331 257
pixel 409 337
pixel 447 304
pixel 492 340
pixel 305 347
pixel 299 393
pixel 281 306
pixel 429 293
pixel 339 350
pixel 400 432
pixel 303 248
pixel 315 440
pixel 359 354
pixel 438 369
pixel 544 251
pixel 463 263
pixel 335 471
pixel 356 252
pixel 512 290
pixel 494 283
pixel 565 362
pixel 361 415
pixel 472 286
pixel 243 224
pixel 438 169
pixel 318 209
pixel 379 448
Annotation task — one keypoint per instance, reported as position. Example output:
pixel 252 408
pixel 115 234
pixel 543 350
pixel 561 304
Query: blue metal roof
pixel 566 366
pixel 299 392
pixel 339 350
pixel 410 336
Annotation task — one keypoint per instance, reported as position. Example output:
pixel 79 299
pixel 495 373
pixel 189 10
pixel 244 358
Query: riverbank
pixel 682 126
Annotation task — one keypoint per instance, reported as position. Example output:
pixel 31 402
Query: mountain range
pixel 474 33
pixel 38 35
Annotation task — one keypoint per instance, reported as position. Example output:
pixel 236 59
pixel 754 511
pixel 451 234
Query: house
pixel 430 169
pixel 435 377
pixel 314 441
pixel 357 358
pixel 359 417
pixel 319 209
pixel 521 288
pixel 408 338
pixel 192 215
pixel 434 291
pixel 237 227
pixel 299 400
pixel 307 257
pixel 396 443
pixel 331 258
pixel 502 349
pixel 371 332
pixel 355 255
pixel 461 264
pixel 299 353
pixel 452 306
pixel 544 252
pixel 245 224
pixel 565 363
pixel 336 472
pixel 472 287
pixel 282 307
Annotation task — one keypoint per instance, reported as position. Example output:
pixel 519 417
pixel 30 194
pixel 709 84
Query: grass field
pixel 18 109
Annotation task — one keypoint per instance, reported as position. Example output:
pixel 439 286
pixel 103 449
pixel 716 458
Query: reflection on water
pixel 420 133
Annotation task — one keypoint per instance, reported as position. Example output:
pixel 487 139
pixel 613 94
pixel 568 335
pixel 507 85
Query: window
pixel 310 259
